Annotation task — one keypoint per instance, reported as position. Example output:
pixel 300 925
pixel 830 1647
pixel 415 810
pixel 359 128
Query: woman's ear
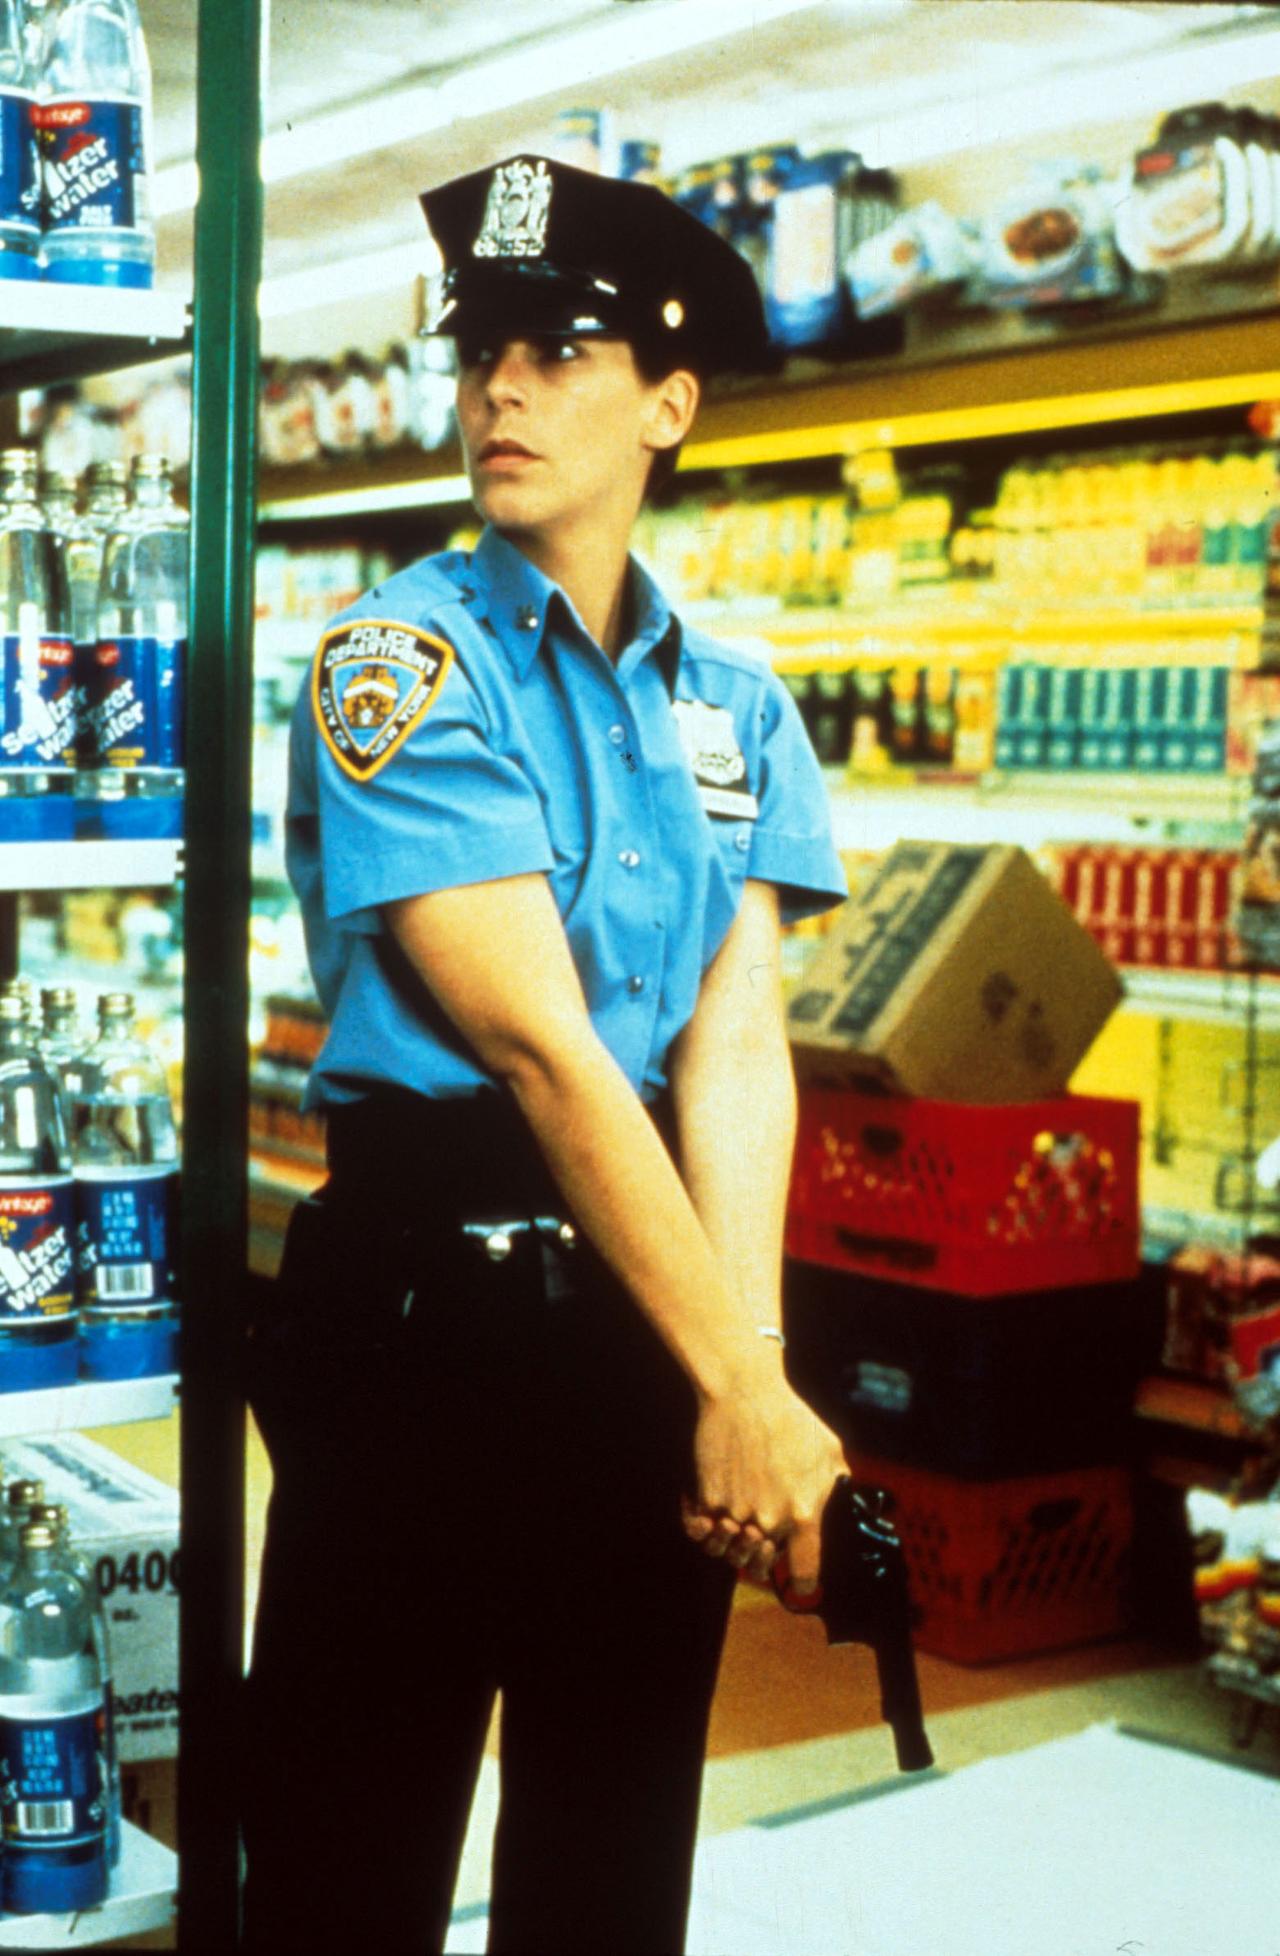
pixel 673 402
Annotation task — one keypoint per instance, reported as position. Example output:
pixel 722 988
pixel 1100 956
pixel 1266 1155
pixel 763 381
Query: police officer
pixel 522 1382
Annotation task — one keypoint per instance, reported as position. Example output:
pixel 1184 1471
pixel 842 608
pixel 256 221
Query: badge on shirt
pixel 372 682
pixel 711 747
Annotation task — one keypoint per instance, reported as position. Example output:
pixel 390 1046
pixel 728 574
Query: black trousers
pixel 478 1468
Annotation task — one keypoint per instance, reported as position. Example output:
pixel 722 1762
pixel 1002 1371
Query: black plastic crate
pixel 978 1387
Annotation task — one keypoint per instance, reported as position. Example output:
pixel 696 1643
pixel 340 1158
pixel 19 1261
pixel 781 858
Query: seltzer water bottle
pixel 54 1773
pixel 37 1219
pixel 125 1160
pixel 93 122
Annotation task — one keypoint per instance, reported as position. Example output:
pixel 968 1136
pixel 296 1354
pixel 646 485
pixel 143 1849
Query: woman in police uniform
pixel 523 1386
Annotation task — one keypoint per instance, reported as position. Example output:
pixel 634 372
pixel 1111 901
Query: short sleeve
pixel 444 808
pixel 791 843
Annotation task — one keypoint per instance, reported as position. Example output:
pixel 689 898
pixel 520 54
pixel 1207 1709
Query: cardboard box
pixel 126 1522
pixel 957 974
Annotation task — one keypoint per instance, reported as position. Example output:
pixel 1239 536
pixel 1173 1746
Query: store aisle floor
pixel 795 1724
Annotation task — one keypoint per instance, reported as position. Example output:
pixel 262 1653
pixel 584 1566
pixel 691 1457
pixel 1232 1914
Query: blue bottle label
pixel 125 1238
pixel 53 1781
pixel 19 162
pixel 135 701
pixel 35 1251
pixel 38 702
pixel 92 161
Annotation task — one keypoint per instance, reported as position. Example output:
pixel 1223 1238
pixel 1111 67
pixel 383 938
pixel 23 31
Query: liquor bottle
pixel 37 1322
pixel 136 688
pixel 37 686
pixel 124 1155
pixel 53 1769
pixel 19 162
pixel 94 127
pixel 78 1564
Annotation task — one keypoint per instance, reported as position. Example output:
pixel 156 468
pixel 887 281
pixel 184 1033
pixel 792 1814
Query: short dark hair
pixel 654 363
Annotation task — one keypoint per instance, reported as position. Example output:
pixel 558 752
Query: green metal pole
pixel 219 745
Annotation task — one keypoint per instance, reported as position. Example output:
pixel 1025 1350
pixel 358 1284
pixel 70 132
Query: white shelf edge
pixel 141 1898
pixel 87 864
pixel 1211 997
pixel 92 1402
pixel 103 312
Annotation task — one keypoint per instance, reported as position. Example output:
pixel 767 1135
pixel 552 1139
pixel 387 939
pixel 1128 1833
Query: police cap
pixel 532 246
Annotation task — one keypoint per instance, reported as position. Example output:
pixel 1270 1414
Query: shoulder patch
pixel 372 681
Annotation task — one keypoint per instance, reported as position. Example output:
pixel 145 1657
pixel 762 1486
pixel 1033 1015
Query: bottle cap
pixel 38 1535
pixel 13 1010
pixel 114 1005
pixel 24 460
pixel 104 475
pixel 49 1515
pixel 57 998
pixel 150 468
pixel 24 1494
pixel 57 482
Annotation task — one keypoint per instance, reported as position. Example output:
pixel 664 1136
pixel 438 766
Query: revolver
pixel 863 1598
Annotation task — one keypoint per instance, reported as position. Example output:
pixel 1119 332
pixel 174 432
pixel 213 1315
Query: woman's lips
pixel 502 455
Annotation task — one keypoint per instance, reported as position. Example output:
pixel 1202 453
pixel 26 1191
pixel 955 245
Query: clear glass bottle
pixel 61 1041
pixel 53 1759
pixel 125 1162
pixel 19 161
pixel 94 124
pixel 37 683
pixel 78 1564
pixel 37 1322
pixel 137 690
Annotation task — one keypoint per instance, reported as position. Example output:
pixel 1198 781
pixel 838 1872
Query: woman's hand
pixel 766 1464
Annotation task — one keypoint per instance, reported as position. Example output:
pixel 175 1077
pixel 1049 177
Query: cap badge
pixel 515 218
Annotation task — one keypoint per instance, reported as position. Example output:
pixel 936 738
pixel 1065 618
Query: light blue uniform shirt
pixel 461 725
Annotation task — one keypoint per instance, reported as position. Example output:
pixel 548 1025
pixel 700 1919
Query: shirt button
pixel 742 840
pixel 629 858
pixel 617 735
pixel 635 986
pixel 527 618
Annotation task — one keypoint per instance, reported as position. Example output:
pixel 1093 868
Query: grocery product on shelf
pixel 1166 908
pixel 37 1322
pixel 19 160
pixel 38 736
pixel 924 251
pixel 125 1163
pixel 55 1515
pixel 54 1791
pixel 94 126
pixel 1050 241
pixel 135 690
pixel 825 207
pixel 1203 193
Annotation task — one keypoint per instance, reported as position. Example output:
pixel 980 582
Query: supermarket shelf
pixel 1239 1675
pixel 105 1402
pixel 875 811
pixel 834 637
pixel 89 865
pixel 143 1890
pixel 1189 1402
pixel 49 332
pixel 1215 998
pixel 1013 390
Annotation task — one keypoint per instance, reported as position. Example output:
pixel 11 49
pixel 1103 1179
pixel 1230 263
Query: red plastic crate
pixel 1004 1568
pixel 980 1200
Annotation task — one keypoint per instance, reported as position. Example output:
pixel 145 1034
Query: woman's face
pixel 557 430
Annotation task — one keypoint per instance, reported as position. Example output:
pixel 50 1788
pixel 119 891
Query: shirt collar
pixel 518 599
